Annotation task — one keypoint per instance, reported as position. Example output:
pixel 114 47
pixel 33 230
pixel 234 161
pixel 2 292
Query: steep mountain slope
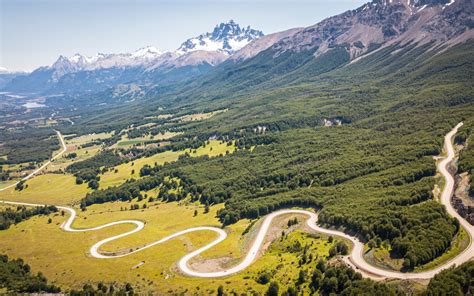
pixel 82 73
pixel 260 44
pixel 385 22
pixel 295 60
pixel 395 26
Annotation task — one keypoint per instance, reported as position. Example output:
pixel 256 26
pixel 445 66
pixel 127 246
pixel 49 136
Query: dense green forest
pixel 466 156
pixel 27 145
pixel 453 281
pixel 337 280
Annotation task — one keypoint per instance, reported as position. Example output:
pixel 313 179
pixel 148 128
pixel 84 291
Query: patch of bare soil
pixel 462 190
pixel 278 227
pixel 213 264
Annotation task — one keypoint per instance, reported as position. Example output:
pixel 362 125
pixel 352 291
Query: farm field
pixel 84 139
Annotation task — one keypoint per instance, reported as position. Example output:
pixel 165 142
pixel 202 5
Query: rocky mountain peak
pixel 226 38
pixel 380 23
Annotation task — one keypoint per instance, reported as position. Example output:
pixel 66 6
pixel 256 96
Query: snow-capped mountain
pixel 226 38
pixel 351 35
pixel 93 73
pixel 142 57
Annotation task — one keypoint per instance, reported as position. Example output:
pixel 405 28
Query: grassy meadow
pixel 56 189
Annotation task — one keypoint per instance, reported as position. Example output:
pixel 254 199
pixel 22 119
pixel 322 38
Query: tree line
pixel 88 170
pixel 16 277
pixel 10 216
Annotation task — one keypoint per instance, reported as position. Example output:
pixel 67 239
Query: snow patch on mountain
pixel 226 38
pixel 145 56
pixel 211 48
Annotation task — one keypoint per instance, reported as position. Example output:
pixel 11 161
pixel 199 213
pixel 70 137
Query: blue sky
pixel 35 32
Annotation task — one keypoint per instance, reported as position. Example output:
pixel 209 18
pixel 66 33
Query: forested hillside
pixel 373 174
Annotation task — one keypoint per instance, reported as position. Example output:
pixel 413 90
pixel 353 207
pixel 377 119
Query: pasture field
pixel 74 145
pixel 212 148
pixel 17 171
pixel 63 162
pixel 4 184
pixel 161 116
pixel 119 174
pixel 57 189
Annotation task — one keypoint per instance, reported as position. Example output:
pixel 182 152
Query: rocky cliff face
pixel 226 38
pixel 261 44
pixel 384 22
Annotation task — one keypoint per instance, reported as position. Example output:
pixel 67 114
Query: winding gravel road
pixel 355 259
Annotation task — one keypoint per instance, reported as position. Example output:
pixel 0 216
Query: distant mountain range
pixel 145 64
pixel 356 34
pixel 6 76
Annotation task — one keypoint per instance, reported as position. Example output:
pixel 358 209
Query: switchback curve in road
pixel 355 258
